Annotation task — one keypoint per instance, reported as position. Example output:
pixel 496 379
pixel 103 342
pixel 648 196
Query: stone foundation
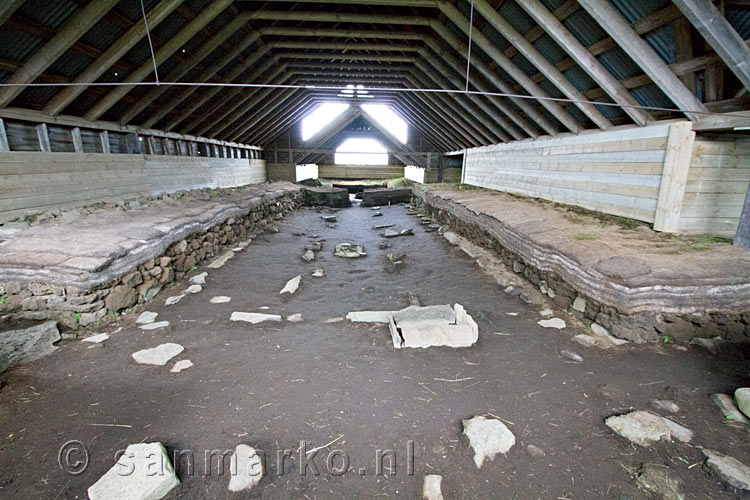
pixel 90 300
pixel 634 320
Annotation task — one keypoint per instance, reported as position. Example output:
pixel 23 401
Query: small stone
pixel 69 336
pixel 659 481
pixel 159 355
pixel 644 428
pixel 87 319
pixel 375 208
pixel 552 323
pixel 369 316
pixel 572 356
pixel 711 345
pixel 333 320
pixel 532 297
pixel 173 300
pixel 121 297
pixel 729 469
pixel 431 487
pixel 291 286
pixel 349 250
pixel 199 279
pixel 315 246
pixel 318 273
pixel 585 340
pixel 742 398
pixel 294 318
pixel 599 330
pixel 728 408
pixel 308 256
pixel 154 326
pixel 664 405
pixel 377 214
pixel 220 299
pixel 141 483
pixel 194 289
pixel 579 304
pixel 487 437
pixel 183 364
pixel 546 313
pixel 96 339
pixel 146 317
pixel 246 468
pixel 534 451
pixel 223 259
pixel 254 317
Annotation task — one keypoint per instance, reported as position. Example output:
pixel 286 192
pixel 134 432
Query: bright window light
pixel 320 117
pixel 350 153
pixel 388 119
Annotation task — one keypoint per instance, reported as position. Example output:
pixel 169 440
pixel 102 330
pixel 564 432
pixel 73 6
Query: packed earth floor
pixel 274 384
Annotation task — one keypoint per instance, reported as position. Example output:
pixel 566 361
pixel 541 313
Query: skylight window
pixel 322 116
pixel 361 151
pixel 388 119
pixel 352 90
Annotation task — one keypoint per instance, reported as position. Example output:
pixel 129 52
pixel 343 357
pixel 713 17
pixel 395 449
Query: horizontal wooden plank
pixel 727 174
pixel 720 161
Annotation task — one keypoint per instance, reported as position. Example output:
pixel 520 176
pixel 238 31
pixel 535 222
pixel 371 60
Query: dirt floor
pixel 273 385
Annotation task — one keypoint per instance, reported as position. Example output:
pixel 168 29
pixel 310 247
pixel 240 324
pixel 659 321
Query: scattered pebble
pixel 254 317
pixel 431 487
pixel 572 356
pixel 96 339
pixel 546 313
pixel 194 289
pixel 146 317
pixel 552 323
pixel 291 286
pixel 333 320
pixel 246 468
pixel 318 273
pixel 173 300
pixel 141 483
pixel 664 405
pixel 308 256
pixel 154 326
pixel 294 318
pixel 183 364
pixel 220 299
pixel 645 428
pixel 199 279
pixel 585 340
pixel 159 355
pixel 535 451
pixel 487 437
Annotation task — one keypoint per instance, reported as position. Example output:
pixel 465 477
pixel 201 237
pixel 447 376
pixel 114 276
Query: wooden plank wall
pixel 717 183
pixel 32 182
pixel 360 171
pixel 616 172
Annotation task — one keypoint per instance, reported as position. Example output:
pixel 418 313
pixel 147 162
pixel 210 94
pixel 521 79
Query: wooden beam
pixel 585 59
pixel 75 133
pixel 43 58
pixel 641 52
pixel 539 61
pixel 720 35
pixel 161 55
pixel 7 8
pixel 683 42
pixel 742 237
pixel 107 59
pixel 104 141
pixel 42 135
pixel 182 69
pixel 4 146
pixel 674 177
pixel 338 17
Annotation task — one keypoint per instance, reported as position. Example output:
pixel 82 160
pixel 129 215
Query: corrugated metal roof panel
pixel 17 45
pixel 739 18
pixel 50 14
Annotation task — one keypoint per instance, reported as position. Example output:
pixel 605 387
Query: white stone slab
pixel 488 437
pixel 183 364
pixel 146 317
pixel 159 355
pixel 173 300
pixel 431 487
pixel 246 468
pixel 254 317
pixel 220 299
pixel 369 316
pixel 96 339
pixel 142 472
pixel 199 279
pixel 154 326
pixel 223 259
pixel 194 289
pixel 552 323
pixel 291 286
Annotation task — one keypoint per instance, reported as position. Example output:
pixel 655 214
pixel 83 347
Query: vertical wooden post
pixel 43 135
pixel 151 145
pixel 132 144
pixel 674 176
pixel 742 238
pixel 104 141
pixel 77 140
pixel 4 146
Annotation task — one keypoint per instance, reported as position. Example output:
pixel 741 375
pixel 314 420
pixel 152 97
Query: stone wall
pixel 635 324
pixel 74 306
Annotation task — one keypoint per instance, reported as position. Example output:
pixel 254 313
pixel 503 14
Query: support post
pixel 104 141
pixel 43 135
pixel 151 145
pixel 742 238
pixel 77 140
pixel 132 145
pixel 4 146
pixel 674 177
